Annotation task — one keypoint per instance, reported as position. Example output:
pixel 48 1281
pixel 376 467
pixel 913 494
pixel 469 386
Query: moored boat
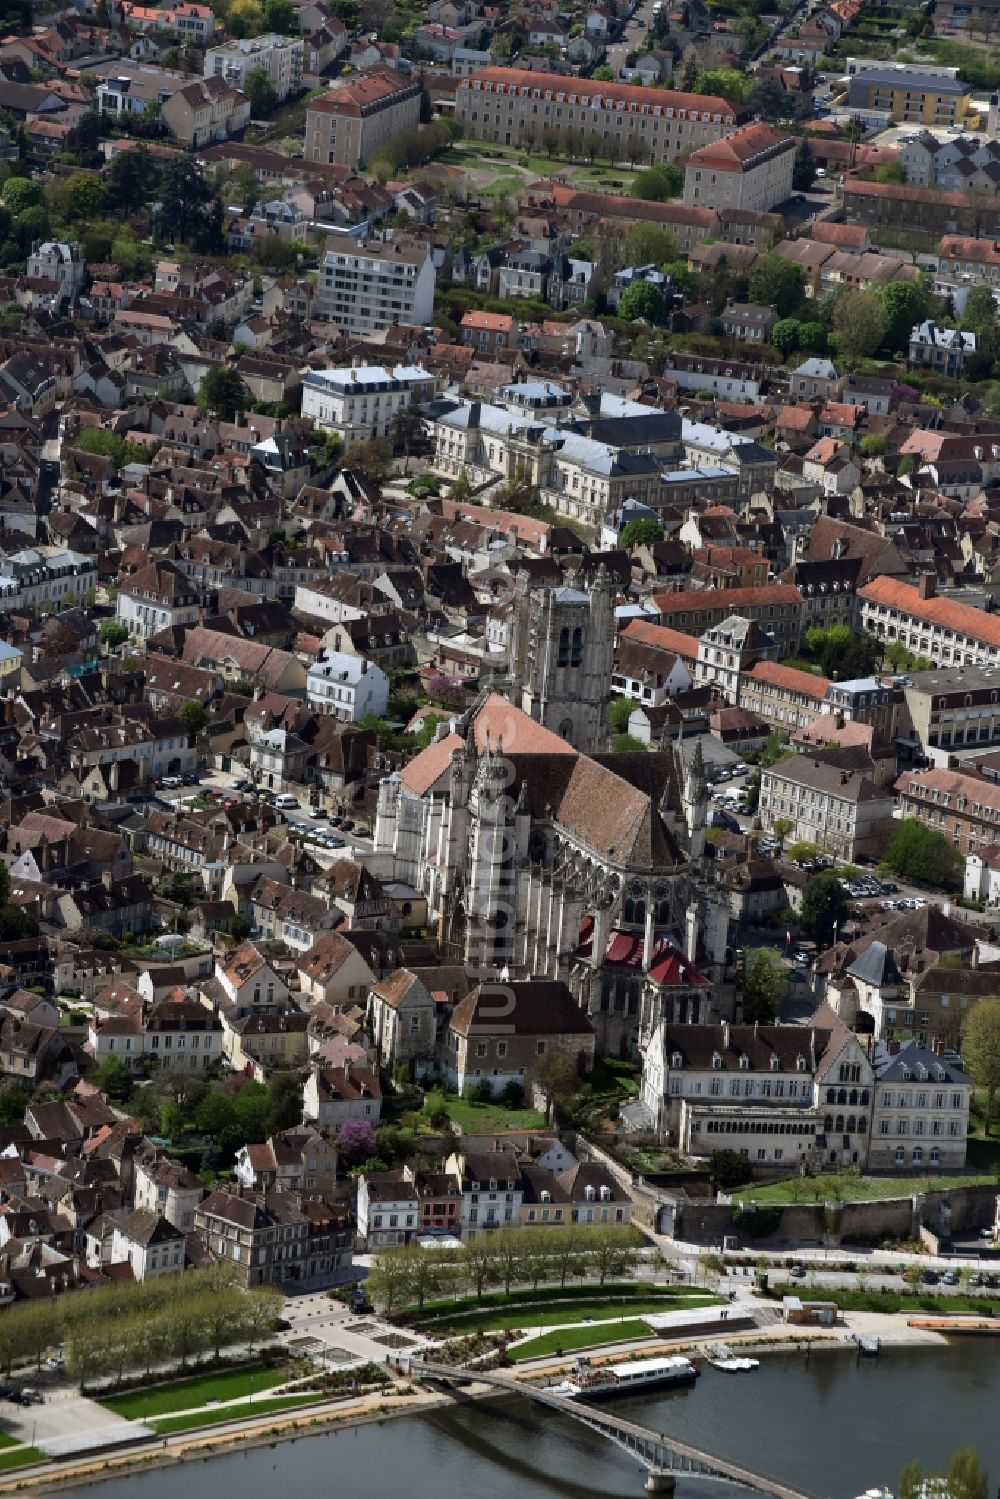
pixel 634 1375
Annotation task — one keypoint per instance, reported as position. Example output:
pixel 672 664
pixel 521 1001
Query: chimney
pixel 927 586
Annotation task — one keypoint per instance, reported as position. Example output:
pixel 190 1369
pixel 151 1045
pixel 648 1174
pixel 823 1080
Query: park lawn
pixel 184 1394
pixel 845 1187
pixel 487 1117
pixel 248 1412
pixel 553 1316
pixel 6 1440
pixel 18 1457
pixel 898 1301
pixel 572 1339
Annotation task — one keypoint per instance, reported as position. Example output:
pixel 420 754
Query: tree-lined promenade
pixel 115 1330
pixel 413 1276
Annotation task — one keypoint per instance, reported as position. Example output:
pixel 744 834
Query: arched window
pixel 851 1124
pixel 862 1125
pixel 563 648
pixel 840 1124
pixel 854 1097
pixel 576 658
pixel 831 1095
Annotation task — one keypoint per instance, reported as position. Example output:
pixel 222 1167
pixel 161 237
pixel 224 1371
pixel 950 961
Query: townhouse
pixel 776 606
pixel 828 804
pixel 962 806
pixel 360 402
pixel 921 1112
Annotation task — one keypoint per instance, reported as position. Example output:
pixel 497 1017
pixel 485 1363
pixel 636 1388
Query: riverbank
pixel 267 1431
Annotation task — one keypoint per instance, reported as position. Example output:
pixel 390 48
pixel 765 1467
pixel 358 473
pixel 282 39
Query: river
pixel 829 1425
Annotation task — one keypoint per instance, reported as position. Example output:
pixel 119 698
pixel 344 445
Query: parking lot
pixel 324 832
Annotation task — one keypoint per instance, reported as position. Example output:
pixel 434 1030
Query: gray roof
pixel 876 965
pixel 918 1063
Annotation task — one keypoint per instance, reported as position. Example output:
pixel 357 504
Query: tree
pixel 82 195
pixel 916 852
pixel 873 446
pixel 786 335
pixel 408 432
pixel 640 533
pixel 966 1477
pixel 619 714
pixel 222 393
pixel 613 1251
pixel 825 907
pixel 765 984
pixel 781 827
pixel 185 195
pixel 979 315
pixel 981 1052
pixel 860 322
pixel 893 173
pixel 905 304
pixel 374 458
pixel 284 1102
pixel 131 179
pixel 628 744
pixel 648 244
pixel 769 100
pixel 657 184
pixel 112 633
pixel 19 193
pixel 478 1261
pixel 356 1140
pixel 724 83
pixel 729 1169
pixel 558 1079
pixel 778 283
pixel 280 16
pixel 260 90
pixel 115 1080
pixel 194 716
pixel 804 168
pixel 643 300
pixel 246 18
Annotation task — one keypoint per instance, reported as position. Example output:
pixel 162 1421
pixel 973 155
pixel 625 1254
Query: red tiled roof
pixel 661 637
pixel 961 618
pixel 512 79
pixel 790 677
pixel 495 322
pixel 737 150
pixel 362 90
pixel 733 599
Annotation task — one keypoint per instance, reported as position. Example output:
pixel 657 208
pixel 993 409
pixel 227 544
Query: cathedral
pixel 542 858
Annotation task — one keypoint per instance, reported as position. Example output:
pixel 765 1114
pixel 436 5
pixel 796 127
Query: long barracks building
pixel 517 107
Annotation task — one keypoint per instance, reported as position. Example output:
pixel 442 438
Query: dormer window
pixel 774 1063
pixel 493 1184
pixel 744 1062
pixel 716 1062
pixel 605 1194
pixel 545 1195
pixel 800 1064
pixel 676 1060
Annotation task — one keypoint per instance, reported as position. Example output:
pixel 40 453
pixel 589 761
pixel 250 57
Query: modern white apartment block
pixel 280 57
pixel 364 288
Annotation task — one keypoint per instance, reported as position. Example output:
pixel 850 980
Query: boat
pixel 634 1375
pixel 721 1357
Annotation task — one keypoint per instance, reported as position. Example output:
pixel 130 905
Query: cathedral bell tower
pixel 561 656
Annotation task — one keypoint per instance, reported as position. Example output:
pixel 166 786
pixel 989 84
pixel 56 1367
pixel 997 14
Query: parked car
pixel 318 814
pixel 950 1278
pixel 798 1272
pixel 929 1277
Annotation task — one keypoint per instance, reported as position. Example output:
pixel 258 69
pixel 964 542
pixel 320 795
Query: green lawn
pixel 553 1315
pixel 486 1118
pixel 6 1440
pixel 845 1187
pixel 18 1457
pixel 894 1301
pixel 185 1394
pixel 572 1339
pixel 220 1413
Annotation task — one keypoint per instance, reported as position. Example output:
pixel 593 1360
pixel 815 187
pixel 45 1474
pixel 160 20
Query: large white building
pixel 364 288
pixel 947 632
pixel 360 402
pixel 347 687
pixel 280 57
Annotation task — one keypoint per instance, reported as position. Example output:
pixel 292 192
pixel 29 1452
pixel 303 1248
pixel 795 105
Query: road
pixel 634 39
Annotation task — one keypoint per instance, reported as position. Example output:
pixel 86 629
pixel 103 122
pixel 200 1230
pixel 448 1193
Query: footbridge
pixel 663 1457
